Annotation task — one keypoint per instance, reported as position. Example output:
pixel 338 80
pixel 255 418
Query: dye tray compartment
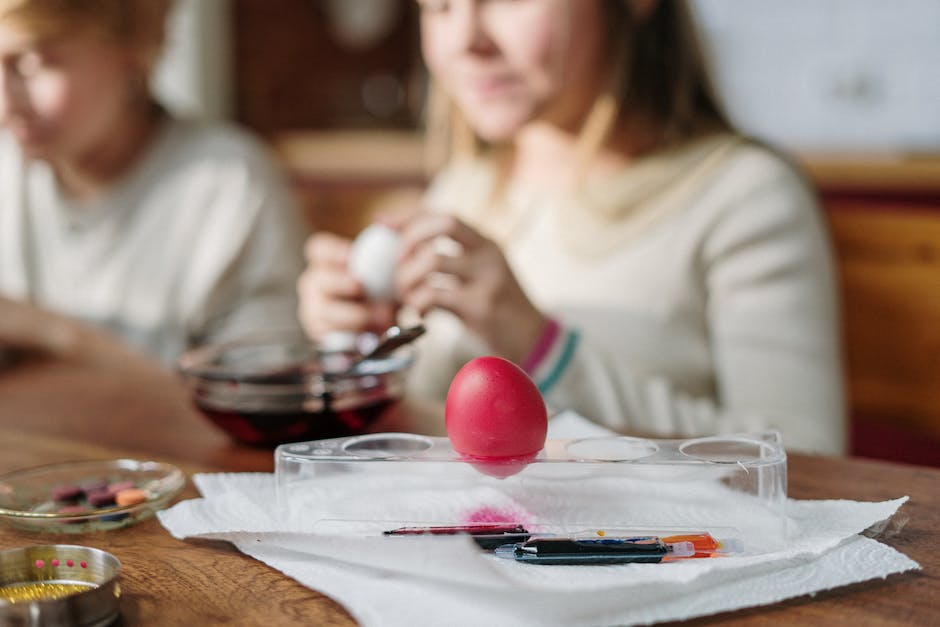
pixel 727 485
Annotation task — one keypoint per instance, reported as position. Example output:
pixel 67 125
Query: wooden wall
pixel 341 177
pixel 884 220
pixel 890 277
pixel 293 72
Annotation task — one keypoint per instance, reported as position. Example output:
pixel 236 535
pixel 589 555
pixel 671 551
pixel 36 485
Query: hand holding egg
pixel 495 416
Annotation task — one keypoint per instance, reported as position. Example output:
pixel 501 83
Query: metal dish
pixel 84 580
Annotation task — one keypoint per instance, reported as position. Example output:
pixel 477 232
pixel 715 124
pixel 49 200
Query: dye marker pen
pixel 643 549
pixel 706 545
pixel 488 536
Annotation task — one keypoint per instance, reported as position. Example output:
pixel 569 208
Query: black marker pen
pixel 643 549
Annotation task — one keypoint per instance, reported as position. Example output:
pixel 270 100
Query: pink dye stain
pixel 55 562
pixel 70 563
pixel 84 564
pixel 488 514
pixel 40 563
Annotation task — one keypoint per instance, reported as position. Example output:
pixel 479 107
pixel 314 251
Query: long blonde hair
pixel 658 73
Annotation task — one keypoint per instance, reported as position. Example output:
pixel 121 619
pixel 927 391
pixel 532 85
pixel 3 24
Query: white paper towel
pixel 448 580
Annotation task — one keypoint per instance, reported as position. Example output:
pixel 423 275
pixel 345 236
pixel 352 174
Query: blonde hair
pixel 658 74
pixel 138 24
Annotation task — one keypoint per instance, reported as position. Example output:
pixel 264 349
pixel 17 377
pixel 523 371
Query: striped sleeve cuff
pixel 556 360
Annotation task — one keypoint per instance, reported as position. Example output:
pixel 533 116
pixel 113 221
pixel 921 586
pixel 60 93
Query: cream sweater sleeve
pixel 759 265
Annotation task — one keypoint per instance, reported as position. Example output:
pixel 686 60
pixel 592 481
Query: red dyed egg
pixel 495 413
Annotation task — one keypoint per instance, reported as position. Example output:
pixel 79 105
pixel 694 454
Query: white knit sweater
pixel 699 280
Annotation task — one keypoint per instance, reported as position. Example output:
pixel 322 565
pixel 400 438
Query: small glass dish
pixel 70 497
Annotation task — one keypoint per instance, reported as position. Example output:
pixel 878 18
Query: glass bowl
pixel 270 390
pixel 72 497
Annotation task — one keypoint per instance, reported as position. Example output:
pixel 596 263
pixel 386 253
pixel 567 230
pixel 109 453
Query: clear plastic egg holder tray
pixel 731 486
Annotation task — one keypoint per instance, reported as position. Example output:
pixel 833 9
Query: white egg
pixel 372 260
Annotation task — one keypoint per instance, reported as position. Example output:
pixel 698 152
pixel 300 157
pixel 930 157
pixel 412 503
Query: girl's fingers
pixel 429 296
pixel 382 316
pixel 340 315
pixel 331 299
pixel 329 284
pixel 425 263
pixel 327 249
pixel 429 226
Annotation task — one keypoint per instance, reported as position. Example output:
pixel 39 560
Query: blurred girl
pixel 649 267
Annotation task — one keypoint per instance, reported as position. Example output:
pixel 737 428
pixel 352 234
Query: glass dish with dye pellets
pixel 81 496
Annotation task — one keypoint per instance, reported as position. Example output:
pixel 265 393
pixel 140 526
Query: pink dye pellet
pixel 66 493
pixel 84 564
pixel 70 563
pixel 55 562
pixel 40 563
pixel 100 498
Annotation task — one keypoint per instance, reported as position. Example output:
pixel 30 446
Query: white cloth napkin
pixel 447 580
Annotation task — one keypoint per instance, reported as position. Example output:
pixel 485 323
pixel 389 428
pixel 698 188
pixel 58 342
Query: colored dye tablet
pixel 130 496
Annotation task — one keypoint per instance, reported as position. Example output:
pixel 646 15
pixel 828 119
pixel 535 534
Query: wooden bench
pixel 884 219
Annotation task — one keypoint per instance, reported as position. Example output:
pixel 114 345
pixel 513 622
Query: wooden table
pixel 52 412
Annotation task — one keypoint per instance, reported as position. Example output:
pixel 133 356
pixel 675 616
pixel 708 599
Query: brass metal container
pixel 58 585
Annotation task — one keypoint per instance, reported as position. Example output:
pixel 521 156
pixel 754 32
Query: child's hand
pixel 26 328
pixel 331 298
pixel 476 285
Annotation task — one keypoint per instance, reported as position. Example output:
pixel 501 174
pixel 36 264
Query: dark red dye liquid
pixel 265 429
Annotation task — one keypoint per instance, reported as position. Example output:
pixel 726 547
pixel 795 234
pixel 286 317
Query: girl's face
pixel 61 97
pixel 507 63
